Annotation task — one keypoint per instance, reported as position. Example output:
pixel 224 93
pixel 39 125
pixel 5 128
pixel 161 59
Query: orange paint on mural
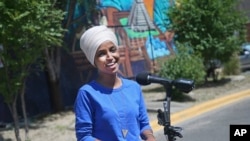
pixel 149 4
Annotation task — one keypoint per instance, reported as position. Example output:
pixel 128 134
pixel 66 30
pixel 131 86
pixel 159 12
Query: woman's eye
pixel 113 49
pixel 100 54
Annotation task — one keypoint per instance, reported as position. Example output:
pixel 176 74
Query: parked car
pixel 245 57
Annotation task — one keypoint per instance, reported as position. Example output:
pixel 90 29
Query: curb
pixel 202 108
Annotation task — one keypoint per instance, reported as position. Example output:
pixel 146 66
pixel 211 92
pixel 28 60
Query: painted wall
pixel 140 27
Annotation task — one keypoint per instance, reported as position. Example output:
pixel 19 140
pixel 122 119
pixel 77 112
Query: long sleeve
pixel 83 112
pixel 143 116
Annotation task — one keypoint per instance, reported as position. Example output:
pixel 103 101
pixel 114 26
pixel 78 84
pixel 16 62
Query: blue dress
pixel 104 113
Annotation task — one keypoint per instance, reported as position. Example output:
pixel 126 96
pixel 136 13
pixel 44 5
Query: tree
pixel 215 29
pixel 53 55
pixel 29 28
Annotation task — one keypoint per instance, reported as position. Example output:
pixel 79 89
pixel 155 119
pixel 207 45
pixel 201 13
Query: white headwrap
pixel 93 38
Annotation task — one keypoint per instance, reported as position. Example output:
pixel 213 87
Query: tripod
pixel 183 85
pixel 171 132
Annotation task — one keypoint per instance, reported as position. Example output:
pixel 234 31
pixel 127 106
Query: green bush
pixel 232 67
pixel 184 65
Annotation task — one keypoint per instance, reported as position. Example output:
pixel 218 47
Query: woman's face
pixel 107 58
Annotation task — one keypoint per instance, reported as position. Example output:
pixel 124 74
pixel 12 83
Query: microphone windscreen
pixel 142 78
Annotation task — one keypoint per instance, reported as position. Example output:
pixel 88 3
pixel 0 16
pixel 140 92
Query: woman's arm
pixel 83 117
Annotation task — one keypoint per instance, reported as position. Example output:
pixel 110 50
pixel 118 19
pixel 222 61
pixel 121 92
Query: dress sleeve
pixel 143 115
pixel 83 114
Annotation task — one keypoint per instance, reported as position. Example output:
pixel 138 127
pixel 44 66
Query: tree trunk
pixel 53 64
pixel 14 113
pixel 26 124
pixel 55 96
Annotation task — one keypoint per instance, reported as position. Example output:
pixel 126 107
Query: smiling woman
pixel 109 107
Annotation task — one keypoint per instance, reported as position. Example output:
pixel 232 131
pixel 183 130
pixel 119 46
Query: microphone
pixel 146 78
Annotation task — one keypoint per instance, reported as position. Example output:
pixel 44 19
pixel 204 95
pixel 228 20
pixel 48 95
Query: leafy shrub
pixel 184 65
pixel 232 67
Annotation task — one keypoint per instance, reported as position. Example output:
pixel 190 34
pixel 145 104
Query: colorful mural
pixel 141 28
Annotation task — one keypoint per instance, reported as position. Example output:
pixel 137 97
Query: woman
pixel 109 108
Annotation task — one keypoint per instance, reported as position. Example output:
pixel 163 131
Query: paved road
pixel 214 125
pixel 198 110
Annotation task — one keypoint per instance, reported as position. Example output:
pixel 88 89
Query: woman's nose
pixel 109 55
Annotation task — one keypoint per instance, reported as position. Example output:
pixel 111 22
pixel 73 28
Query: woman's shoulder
pixel 89 89
pixel 130 82
pixel 87 86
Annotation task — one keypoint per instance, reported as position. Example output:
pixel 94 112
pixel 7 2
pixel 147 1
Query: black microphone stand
pixel 171 132
pixel 184 85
